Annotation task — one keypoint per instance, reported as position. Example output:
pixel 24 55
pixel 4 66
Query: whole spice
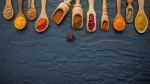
pixel 70 37
pixel 31 13
pixel 20 22
pixel 41 24
pixel 58 15
pixel 77 21
pixel 129 15
pixel 119 24
pixel 91 23
pixel 141 22
pixel 8 12
pixel 105 26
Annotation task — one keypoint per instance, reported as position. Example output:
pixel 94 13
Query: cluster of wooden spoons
pixel 42 23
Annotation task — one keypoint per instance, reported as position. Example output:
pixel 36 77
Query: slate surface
pixel 27 57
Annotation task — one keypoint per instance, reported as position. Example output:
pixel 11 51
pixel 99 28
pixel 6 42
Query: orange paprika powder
pixel 41 24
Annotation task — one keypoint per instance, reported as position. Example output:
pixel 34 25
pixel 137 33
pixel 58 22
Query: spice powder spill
pixel 91 23
pixel 105 26
pixel 20 22
pixel 58 15
pixel 77 21
pixel 141 22
pixel 8 12
pixel 119 24
pixel 31 13
pixel 41 24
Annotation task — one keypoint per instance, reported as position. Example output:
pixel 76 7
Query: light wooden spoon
pixel 42 15
pixel 91 17
pixel 31 11
pixel 8 11
pixel 61 11
pixel 129 11
pixel 119 22
pixel 104 18
pixel 141 12
pixel 77 16
pixel 20 14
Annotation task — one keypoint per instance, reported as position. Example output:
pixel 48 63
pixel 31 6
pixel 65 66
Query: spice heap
pixel 31 13
pixel 91 23
pixel 41 25
pixel 77 21
pixel 20 22
pixel 141 22
pixel 58 15
pixel 119 24
pixel 105 26
pixel 8 12
pixel 70 37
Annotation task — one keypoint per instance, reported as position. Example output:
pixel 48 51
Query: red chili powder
pixel 91 23
pixel 105 26
pixel 41 24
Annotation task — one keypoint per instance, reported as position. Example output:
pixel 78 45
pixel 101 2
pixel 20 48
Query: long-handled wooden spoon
pixel 129 11
pixel 61 11
pixel 119 22
pixel 20 21
pixel 31 11
pixel 141 21
pixel 8 11
pixel 77 16
pixel 91 17
pixel 42 22
pixel 104 18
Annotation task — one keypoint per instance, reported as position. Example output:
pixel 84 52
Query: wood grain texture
pixel 27 57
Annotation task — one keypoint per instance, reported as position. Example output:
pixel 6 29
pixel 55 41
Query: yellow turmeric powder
pixel 20 22
pixel 119 24
pixel 141 23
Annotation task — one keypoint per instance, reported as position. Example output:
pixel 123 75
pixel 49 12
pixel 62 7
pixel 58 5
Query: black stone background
pixel 27 57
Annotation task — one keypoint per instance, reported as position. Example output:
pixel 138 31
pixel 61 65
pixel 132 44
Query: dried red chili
pixel 91 23
pixel 41 24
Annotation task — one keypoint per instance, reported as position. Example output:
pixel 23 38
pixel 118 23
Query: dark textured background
pixel 27 57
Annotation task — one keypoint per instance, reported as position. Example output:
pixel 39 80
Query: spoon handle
pixel 33 3
pixel 130 2
pixel 104 7
pixel 43 11
pixel 141 5
pixel 20 6
pixel 91 4
pixel 29 3
pixel 118 7
pixel 77 1
pixel 8 2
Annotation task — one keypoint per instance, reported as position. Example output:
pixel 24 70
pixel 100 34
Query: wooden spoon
pixel 43 15
pixel 8 11
pixel 129 11
pixel 77 16
pixel 141 13
pixel 61 11
pixel 119 22
pixel 31 12
pixel 91 17
pixel 20 14
pixel 104 18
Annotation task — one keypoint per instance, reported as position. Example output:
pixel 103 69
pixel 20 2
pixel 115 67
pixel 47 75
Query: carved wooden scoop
pixel 91 17
pixel 61 11
pixel 77 16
